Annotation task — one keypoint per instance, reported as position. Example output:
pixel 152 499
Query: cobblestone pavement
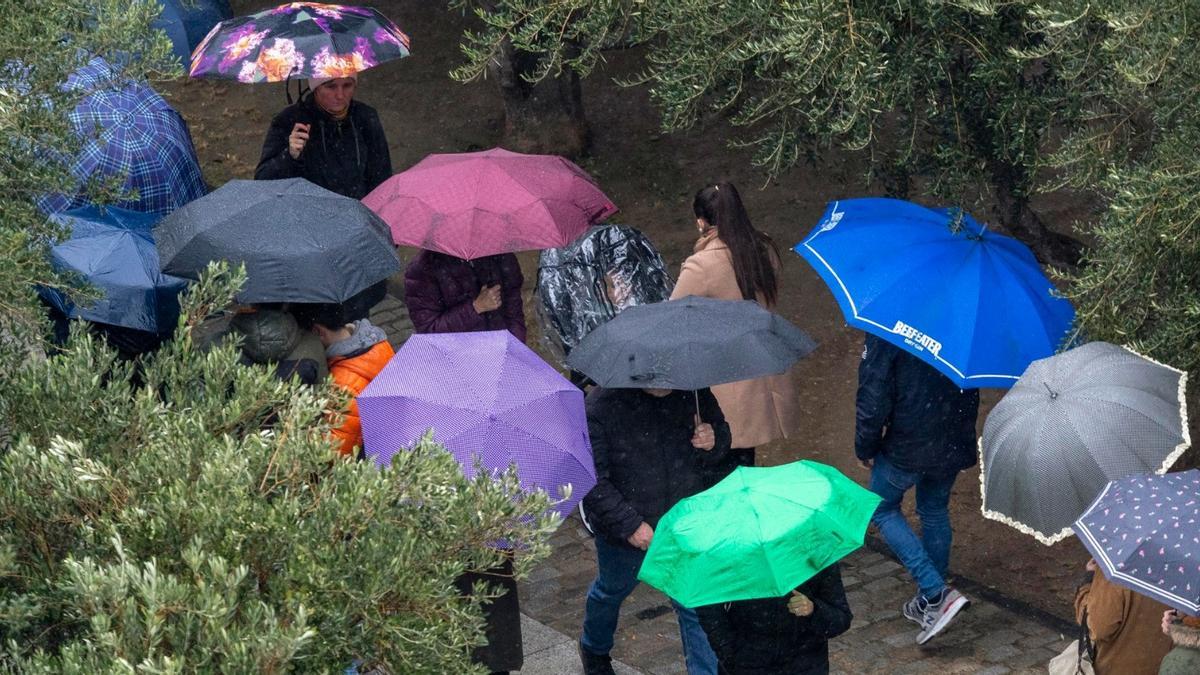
pixel 984 639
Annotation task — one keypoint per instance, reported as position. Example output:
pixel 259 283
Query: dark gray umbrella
pixel 1071 424
pixel 299 242
pixel 690 343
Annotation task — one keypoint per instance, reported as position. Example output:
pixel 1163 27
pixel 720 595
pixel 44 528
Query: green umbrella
pixel 759 533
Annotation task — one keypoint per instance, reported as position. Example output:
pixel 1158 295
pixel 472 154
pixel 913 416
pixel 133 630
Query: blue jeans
pixel 928 557
pixel 615 580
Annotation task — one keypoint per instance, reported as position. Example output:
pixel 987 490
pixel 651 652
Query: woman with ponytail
pixel 734 261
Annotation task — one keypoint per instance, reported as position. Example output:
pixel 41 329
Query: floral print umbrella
pixel 298 40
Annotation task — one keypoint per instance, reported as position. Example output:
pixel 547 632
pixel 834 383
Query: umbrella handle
pixel 696 396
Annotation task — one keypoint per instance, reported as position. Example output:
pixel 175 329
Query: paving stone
pixel 1001 636
pixel 1000 653
pixel 995 670
pixel 1031 657
pixel 882 584
pixel 885 567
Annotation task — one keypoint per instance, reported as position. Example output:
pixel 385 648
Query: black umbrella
pixel 299 242
pixel 690 343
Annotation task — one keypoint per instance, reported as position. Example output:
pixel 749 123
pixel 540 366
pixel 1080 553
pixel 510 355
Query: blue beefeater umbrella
pixel 129 131
pixel 113 251
pixel 1144 531
pixel 972 303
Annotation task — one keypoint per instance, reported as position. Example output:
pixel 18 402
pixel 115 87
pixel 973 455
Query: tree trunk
pixel 1021 221
pixel 545 117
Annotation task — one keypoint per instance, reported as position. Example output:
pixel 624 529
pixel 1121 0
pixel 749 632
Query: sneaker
pixel 936 615
pixel 912 610
pixel 595 664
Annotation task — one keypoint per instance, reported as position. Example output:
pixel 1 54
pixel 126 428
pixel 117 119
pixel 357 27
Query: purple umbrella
pixel 485 395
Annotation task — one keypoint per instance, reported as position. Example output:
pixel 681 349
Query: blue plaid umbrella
pixel 113 250
pixel 972 303
pixel 129 130
pixel 1144 531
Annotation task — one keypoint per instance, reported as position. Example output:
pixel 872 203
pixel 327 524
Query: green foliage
pixel 198 523
pixel 1133 66
pixel 970 102
pixel 184 513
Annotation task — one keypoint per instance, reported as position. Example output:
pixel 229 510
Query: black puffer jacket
pixel 349 157
pixel 645 461
pixel 912 414
pixel 761 637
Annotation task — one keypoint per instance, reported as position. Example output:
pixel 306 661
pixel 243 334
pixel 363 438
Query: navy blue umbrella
pixel 113 250
pixel 186 22
pixel 1144 532
pixel 129 132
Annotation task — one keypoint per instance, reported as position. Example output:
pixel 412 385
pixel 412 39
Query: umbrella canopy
pixel 1142 530
pixel 759 533
pixel 128 131
pixel 487 396
pixel 112 249
pixel 1072 423
pixel 475 204
pixel 186 22
pixel 299 39
pixel 689 343
pixel 973 304
pixel 585 284
pixel 299 242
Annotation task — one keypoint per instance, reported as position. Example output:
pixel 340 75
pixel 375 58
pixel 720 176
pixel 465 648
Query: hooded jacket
pixel 440 290
pixel 912 414
pixel 353 363
pixel 761 637
pixel 273 336
pixel 645 461
pixel 1184 657
pixel 348 156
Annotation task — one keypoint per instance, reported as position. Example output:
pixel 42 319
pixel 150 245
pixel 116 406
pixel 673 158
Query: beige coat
pixel 759 410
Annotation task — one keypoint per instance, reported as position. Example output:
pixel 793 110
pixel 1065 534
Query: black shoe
pixel 595 664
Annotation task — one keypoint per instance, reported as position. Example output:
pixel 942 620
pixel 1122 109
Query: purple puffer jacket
pixel 439 290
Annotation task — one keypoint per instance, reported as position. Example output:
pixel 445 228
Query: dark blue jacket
pixel 911 414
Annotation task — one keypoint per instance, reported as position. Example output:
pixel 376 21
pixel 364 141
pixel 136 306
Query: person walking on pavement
pixel 650 448
pixel 1124 627
pixel 915 429
pixel 446 294
pixel 734 261
pixel 788 634
pixel 336 142
pixel 1184 631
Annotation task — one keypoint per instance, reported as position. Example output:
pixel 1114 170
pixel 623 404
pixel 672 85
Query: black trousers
pixel 503 616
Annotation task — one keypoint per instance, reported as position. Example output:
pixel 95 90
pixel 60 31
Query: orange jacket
pixel 353 374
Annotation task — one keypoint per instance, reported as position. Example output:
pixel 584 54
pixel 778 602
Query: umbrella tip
pixel 1053 394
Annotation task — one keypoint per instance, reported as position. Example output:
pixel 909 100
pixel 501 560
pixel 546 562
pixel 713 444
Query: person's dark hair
pixel 329 315
pixel 753 252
